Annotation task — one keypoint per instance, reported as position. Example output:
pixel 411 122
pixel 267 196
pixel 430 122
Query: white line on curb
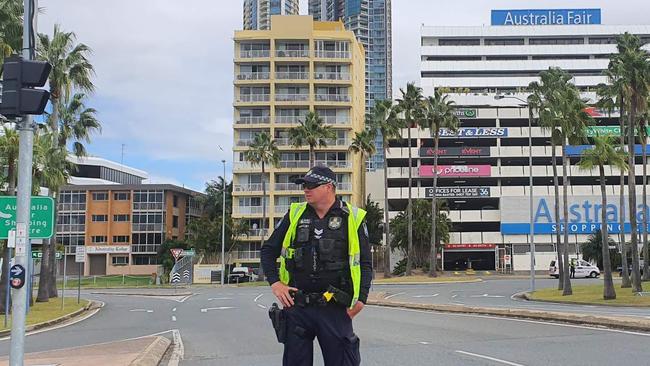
pixel 393 295
pixel 489 358
pixel 179 350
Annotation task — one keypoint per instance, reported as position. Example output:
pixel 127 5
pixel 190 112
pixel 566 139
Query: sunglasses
pixel 310 186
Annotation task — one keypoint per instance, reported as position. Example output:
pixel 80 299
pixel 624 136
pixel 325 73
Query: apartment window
pixel 121 260
pixel 121 196
pixel 175 221
pixel 459 42
pixel 121 218
pixel 98 239
pixel 100 218
pixel 120 239
pixel 175 201
pixel 100 196
pixel 556 41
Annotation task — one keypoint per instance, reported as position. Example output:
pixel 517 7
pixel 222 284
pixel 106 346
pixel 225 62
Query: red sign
pixel 457 170
pixel 176 252
pixel 470 246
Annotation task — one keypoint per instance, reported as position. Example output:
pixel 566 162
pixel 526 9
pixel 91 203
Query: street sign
pixel 457 192
pixel 176 253
pixel 41 225
pixel 17 276
pixel 37 254
pixel 188 253
pixel 80 254
pixel 11 242
pixel 506 257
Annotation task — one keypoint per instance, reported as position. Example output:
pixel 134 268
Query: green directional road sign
pixel 37 254
pixel 41 225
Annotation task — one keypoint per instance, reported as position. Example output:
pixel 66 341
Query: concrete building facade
pixel 297 66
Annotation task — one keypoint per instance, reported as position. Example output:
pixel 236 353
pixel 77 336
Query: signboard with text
pixel 41 224
pixel 545 17
pixel 107 249
pixel 465 113
pixel 476 132
pixel 576 150
pixel 456 151
pixel 458 192
pixel 456 171
pixel 469 246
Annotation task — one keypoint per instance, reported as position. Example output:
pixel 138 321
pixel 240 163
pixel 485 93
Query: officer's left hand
pixel 356 309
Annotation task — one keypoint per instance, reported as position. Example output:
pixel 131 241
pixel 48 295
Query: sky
pixel 164 70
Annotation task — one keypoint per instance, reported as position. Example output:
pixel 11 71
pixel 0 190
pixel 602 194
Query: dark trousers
pixel 333 328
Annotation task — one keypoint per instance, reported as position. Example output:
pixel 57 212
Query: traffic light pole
pixel 23 245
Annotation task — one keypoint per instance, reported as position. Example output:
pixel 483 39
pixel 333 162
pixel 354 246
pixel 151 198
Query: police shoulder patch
pixel 335 222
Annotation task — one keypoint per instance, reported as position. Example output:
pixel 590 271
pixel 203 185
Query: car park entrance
pixel 460 257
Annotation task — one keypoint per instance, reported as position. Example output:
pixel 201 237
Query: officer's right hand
pixel 281 291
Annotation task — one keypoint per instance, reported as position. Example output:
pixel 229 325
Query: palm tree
pixel 609 98
pixel 383 118
pixel 11 27
pixel 312 132
pixel 8 158
pixel 71 70
pixel 604 152
pixel 410 106
pixel 364 143
pixel 439 113
pixel 643 136
pixel 263 151
pixel 633 66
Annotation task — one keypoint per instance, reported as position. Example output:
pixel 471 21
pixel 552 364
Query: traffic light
pixel 19 78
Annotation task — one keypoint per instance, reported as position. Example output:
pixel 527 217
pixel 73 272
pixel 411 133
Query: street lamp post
pixel 530 184
pixel 223 226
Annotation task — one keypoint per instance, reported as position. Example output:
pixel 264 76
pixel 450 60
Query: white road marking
pixel 486 295
pixel 258 297
pixel 173 318
pixel 205 310
pixel 220 298
pixel 454 296
pixel 425 343
pixel 521 320
pixel 262 306
pixel 185 298
pixel 178 353
pixel 489 358
pixel 141 311
pixel 174 309
pixel 420 296
pixel 393 295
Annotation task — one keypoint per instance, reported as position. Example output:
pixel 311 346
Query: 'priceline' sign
pixel 546 17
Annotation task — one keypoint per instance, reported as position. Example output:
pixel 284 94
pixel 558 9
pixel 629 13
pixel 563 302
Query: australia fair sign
pixel 585 214
pixel 456 170
pixel 546 17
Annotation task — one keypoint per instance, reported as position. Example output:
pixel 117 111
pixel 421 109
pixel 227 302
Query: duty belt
pixel 304 299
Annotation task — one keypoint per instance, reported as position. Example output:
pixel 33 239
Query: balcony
pixel 332 98
pixel 292 53
pixel 332 54
pixel 287 187
pixel 286 75
pixel 145 206
pixel 147 227
pixel 257 232
pixel 244 142
pixel 337 142
pixel 67 228
pixel 250 187
pixel 254 97
pixel 288 119
pixel 294 164
pixel 331 76
pixel 292 97
pixel 254 120
pixel 282 141
pixel 255 54
pixel 281 208
pixel 334 120
pixel 71 207
pixel 254 76
pixel 250 210
pixel 334 163
pixel 344 186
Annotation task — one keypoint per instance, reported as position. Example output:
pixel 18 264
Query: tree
pixel 410 106
pixel 439 113
pixel 421 247
pixel 11 27
pixel 71 70
pixel 263 151
pixel 643 136
pixel 592 250
pixel 383 118
pixel 364 143
pixel 9 158
pixel 313 133
pixel 604 153
pixel 374 219
pixel 632 64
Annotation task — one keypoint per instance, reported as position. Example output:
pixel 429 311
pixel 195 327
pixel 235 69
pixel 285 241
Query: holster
pixel 340 297
pixel 279 322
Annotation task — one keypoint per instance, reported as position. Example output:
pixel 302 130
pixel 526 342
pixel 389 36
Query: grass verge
pixel 592 294
pixel 107 282
pixel 46 311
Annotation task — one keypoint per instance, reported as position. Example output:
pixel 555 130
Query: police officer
pixel 325 272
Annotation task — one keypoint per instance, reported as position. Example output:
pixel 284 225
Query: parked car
pixel 242 274
pixel 629 267
pixel 583 269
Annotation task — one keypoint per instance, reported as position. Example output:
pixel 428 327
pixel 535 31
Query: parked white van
pixel 583 269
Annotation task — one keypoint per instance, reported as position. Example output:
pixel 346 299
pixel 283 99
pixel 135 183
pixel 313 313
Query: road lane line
pixel 489 358
pixel 205 310
pixel 258 297
pixel 173 318
pixel 393 295
pixel 421 296
pixel 174 309
pixel 262 306
pixel 185 298
pixel 220 298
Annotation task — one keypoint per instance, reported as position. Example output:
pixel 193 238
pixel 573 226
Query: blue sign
pixel 546 17
pixel 576 150
pixel 584 217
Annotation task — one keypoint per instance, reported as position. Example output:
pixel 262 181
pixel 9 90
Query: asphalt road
pixel 230 326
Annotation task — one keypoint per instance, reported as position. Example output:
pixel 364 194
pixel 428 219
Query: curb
pixel 625 323
pixel 141 294
pixel 427 283
pixel 91 305
pixel 526 297
pixel 152 355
